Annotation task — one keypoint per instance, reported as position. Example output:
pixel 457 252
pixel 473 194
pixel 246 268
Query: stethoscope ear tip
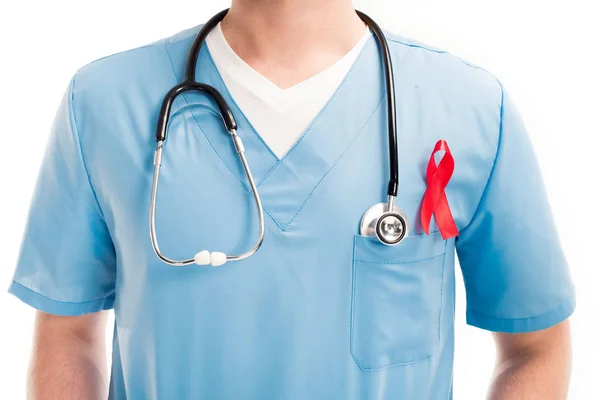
pixel 215 258
pixel 202 258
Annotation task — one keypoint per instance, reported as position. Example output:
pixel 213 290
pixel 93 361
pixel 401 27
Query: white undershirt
pixel 280 116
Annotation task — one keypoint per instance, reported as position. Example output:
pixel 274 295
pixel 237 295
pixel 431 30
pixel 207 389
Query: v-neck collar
pixel 286 185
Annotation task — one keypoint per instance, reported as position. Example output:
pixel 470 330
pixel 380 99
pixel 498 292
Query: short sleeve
pixel 516 276
pixel 66 264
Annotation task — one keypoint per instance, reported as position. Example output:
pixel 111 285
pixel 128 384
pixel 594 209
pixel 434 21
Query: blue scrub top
pixel 319 312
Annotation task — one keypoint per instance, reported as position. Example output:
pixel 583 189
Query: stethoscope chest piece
pixel 389 226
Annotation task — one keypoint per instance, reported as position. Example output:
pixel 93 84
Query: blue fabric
pixel 319 312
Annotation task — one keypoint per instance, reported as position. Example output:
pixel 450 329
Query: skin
pixel 69 356
pixel 532 366
pixel 260 32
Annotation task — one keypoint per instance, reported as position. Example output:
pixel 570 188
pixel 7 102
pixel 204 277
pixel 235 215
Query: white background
pixel 543 51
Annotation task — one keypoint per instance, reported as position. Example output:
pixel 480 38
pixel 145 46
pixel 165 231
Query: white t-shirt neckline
pixel 268 107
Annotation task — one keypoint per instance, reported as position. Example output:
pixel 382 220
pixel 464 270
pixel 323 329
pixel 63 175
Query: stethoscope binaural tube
pixel 189 84
pixel 204 257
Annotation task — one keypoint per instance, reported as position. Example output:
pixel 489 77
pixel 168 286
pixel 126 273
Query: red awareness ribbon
pixel 434 201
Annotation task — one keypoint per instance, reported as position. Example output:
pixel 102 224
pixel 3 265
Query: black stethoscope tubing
pixel 190 84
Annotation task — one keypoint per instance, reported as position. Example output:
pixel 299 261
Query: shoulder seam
pixel 170 61
pixel 170 39
pixel 157 43
pixel 75 129
pixel 494 163
pixel 437 51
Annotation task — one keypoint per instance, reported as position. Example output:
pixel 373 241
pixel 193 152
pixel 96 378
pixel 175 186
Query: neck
pixel 291 40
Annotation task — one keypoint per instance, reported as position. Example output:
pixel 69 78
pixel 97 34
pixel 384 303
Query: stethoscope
pixel 383 220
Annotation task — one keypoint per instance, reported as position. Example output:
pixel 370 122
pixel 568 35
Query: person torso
pixel 319 312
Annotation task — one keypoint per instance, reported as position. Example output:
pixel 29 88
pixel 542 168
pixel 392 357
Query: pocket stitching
pixel 361 241
pixel 352 308
pixel 400 261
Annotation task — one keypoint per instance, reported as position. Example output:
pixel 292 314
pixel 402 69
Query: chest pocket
pixel 396 300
